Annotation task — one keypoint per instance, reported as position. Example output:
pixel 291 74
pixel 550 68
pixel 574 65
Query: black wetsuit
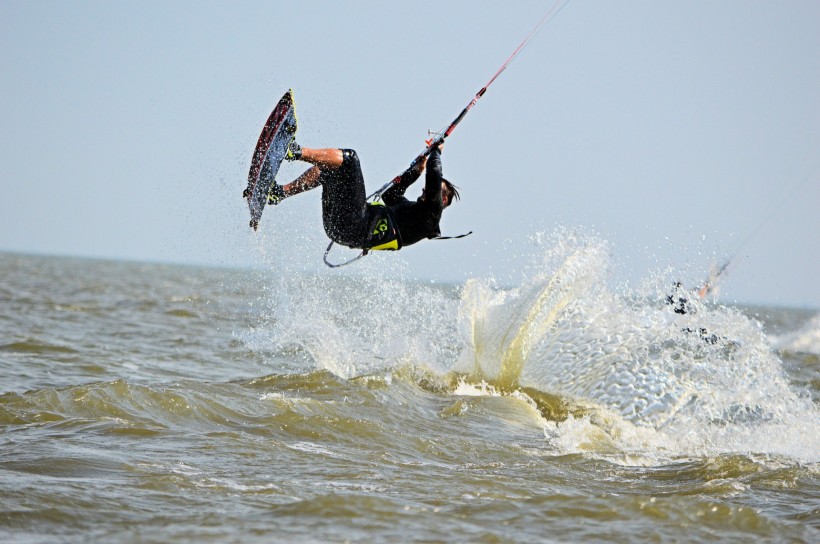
pixel 349 220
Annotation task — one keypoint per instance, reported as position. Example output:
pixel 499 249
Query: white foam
pixel 705 382
pixel 310 447
pixel 804 340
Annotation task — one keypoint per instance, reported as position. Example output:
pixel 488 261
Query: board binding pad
pixel 278 132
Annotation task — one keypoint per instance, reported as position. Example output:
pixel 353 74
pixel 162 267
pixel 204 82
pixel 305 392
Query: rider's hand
pixel 420 163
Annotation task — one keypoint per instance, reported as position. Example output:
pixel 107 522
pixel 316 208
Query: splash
pixel 356 326
pixel 642 376
pixel 703 381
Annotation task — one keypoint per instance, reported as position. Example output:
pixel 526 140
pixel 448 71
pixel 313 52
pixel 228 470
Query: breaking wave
pixel 637 377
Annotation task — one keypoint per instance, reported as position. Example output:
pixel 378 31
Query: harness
pixel 384 233
pixel 383 230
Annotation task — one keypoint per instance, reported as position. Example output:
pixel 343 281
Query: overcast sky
pixel 681 132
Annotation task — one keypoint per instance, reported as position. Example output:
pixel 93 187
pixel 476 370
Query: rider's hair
pixel 451 191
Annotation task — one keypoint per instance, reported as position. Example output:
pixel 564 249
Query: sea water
pixel 157 403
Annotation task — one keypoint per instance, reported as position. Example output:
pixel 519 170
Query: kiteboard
pixel 278 132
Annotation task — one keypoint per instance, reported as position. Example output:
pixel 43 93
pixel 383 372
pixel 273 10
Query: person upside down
pixel 348 218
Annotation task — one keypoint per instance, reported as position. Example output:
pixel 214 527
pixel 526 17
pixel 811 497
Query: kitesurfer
pixel 349 219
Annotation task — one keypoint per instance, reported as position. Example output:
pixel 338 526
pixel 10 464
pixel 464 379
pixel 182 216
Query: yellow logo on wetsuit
pixel 382 230
pixel 381 227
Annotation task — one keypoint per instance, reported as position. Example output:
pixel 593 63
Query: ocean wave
pixel 705 382
pixel 806 340
pixel 621 364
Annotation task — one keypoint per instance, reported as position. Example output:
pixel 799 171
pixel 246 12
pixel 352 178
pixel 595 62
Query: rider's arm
pixel 432 184
pixel 396 193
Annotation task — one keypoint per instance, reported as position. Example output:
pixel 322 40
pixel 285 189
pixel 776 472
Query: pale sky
pixel 681 132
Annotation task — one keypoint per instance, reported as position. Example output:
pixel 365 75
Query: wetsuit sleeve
pixel 395 194
pixel 432 184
